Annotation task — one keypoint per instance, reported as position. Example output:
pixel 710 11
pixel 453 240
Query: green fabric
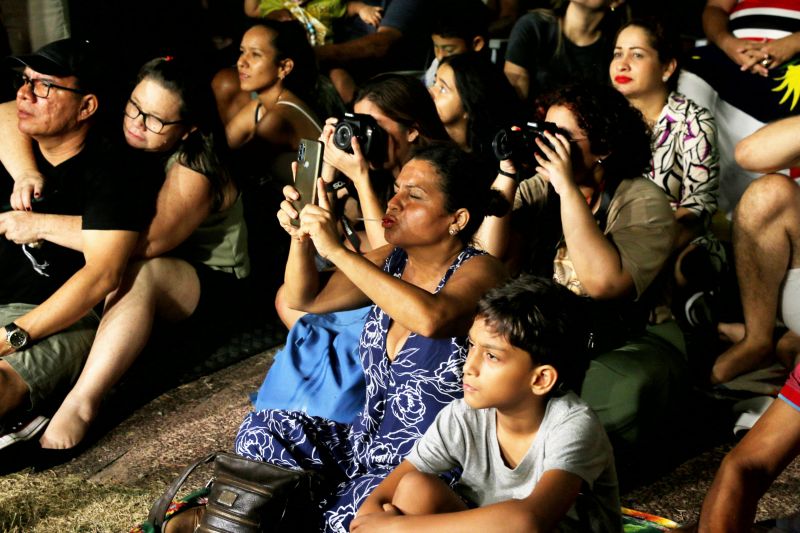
pixel 220 242
pixel 637 388
pixel 50 366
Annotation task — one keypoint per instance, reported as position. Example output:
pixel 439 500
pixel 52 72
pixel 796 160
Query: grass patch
pixel 45 502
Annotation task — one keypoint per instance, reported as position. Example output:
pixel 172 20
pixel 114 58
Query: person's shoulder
pixel 539 17
pixel 638 187
pixel 679 104
pixel 569 408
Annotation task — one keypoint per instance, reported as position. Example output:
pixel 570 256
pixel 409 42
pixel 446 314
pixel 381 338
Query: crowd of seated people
pixel 572 166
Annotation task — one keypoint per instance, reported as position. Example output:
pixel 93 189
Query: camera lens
pixel 342 136
pixel 501 145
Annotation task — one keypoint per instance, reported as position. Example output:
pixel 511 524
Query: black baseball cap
pixel 65 57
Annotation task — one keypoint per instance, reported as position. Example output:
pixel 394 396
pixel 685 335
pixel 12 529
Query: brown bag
pixel 246 497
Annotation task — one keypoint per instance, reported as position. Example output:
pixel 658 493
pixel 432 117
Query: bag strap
pixel 159 508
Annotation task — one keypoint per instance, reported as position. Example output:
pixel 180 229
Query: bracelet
pixel 513 175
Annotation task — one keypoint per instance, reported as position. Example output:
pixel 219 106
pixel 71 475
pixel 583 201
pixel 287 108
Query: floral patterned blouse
pixel 685 156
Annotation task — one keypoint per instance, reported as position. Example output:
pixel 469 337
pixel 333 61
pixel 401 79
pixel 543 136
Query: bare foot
pixel 70 424
pixel 742 357
pixel 731 332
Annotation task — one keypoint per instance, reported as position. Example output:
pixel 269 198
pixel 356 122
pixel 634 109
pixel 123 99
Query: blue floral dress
pixel 402 400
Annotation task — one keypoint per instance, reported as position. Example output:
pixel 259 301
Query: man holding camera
pixel 67 243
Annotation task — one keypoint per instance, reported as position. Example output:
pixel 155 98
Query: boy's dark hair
pixel 541 317
pixel 461 19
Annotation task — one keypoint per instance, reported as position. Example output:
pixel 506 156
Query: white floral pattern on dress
pixel 402 399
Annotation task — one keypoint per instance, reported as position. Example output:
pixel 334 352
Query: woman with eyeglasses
pixel 193 257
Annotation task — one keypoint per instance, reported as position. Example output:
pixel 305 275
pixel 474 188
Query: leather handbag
pixel 245 496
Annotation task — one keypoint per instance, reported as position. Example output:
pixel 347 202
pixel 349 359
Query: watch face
pixel 17 339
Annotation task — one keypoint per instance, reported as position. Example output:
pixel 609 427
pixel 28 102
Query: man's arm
pixel 783 151
pixel 16 155
pixel 25 227
pixel 750 468
pixel 106 253
pixel 549 502
pixel 373 46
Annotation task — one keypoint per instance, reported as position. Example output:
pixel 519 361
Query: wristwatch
pixel 16 337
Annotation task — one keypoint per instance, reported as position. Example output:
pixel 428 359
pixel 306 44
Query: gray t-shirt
pixel 570 438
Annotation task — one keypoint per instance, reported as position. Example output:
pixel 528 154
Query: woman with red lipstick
pixel 424 287
pixel 193 256
pixel 644 68
pixel 274 96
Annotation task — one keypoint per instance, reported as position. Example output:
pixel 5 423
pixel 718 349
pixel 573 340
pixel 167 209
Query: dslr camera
pixel 371 138
pixel 519 143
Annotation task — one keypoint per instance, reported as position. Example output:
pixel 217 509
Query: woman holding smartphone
pixel 423 287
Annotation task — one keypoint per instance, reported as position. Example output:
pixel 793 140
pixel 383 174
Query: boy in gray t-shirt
pixel 532 459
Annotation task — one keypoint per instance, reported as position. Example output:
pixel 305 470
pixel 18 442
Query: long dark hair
pixel 205 149
pixel 405 100
pixel 486 96
pixel 305 81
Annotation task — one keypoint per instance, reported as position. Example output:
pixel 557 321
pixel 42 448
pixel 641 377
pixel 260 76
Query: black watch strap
pixel 16 337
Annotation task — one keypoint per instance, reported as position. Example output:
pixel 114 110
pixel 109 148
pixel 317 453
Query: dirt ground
pixel 111 485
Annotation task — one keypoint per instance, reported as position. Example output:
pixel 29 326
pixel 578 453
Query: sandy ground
pixel 147 450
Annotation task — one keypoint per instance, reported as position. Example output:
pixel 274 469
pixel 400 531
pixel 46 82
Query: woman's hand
pixel 288 217
pixel 772 54
pixel 371 15
pixel 355 166
pixel 27 189
pixel 556 164
pixel 319 223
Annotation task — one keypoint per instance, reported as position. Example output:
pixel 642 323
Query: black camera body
pixel 372 139
pixel 519 143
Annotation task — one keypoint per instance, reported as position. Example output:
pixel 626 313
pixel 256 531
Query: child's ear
pixel 478 43
pixel 543 380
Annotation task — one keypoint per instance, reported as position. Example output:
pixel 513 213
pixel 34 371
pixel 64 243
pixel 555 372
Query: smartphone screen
pixel 309 168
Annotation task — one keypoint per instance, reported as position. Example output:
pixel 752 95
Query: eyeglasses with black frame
pixel 39 87
pixel 151 122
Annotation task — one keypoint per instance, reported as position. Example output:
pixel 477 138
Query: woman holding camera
pixel 589 219
pixel 402 108
pixel 423 285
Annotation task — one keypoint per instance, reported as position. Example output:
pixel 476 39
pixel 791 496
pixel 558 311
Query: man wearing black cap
pixel 64 253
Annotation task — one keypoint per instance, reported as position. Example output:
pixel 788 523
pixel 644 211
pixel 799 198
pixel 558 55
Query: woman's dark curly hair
pixel 612 125
pixel 486 96
pixel 466 181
